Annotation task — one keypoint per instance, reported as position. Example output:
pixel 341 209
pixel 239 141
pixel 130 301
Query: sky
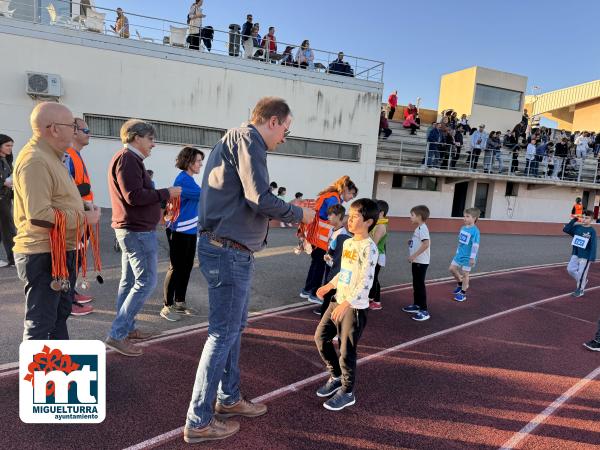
pixel 553 42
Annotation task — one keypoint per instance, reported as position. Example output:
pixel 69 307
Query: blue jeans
pixel 138 278
pixel 228 273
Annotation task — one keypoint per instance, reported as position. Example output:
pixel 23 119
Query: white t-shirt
pixel 355 277
pixel 421 234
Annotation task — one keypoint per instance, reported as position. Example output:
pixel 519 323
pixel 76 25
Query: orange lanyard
pixel 58 253
pixel 94 234
pixel 173 209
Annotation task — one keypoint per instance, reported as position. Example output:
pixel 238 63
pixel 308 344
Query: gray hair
pixel 136 127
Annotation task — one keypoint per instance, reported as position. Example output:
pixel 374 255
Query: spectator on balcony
pixel 561 154
pixel 84 7
pixel 207 34
pixel 305 57
pixel 596 144
pixel 195 17
pixel 392 104
pixel 411 123
pixel 384 126
pixel 287 58
pixel 464 122
pixel 549 163
pixel 121 26
pixel 478 142
pixel 453 122
pixel 434 137
pixel 492 151
pixel 256 51
pixel 458 144
pixel 412 109
pixel 446 146
pixel 582 143
pixel 341 67
pixel 541 152
pixel 247 36
pixel 530 157
pixel 269 44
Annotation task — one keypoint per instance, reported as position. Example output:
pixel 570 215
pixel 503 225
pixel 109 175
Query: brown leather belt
pixel 224 242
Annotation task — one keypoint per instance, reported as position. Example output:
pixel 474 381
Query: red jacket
pixel 393 100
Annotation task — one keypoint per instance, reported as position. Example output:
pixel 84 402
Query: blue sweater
pixel 187 222
pixel 584 240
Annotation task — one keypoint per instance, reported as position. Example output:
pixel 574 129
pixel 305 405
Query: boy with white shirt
pixel 346 317
pixel 420 255
pixel 529 157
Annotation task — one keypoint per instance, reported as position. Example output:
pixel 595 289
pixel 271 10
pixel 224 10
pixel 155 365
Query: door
pixel 481 197
pixel 460 199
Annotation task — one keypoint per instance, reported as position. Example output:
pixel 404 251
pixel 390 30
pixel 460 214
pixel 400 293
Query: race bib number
pixel 580 241
pixel 345 276
pixel 464 237
pixel 410 243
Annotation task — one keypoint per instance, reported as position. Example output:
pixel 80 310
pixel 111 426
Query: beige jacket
pixel 41 182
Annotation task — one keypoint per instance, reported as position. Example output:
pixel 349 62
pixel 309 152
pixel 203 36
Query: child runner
pixel 379 236
pixel 347 316
pixel 333 257
pixel 584 250
pixel 466 253
pixel 594 344
pixel 419 256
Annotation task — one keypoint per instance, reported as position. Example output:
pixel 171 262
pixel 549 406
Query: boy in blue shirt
pixel 466 253
pixel 584 250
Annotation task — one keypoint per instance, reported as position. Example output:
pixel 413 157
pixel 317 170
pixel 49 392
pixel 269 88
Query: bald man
pixel 41 184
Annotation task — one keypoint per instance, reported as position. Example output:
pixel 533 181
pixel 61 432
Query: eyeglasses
pixel 72 125
pixel 84 130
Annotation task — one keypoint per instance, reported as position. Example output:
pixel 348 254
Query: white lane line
pixel 8 369
pixel 162 438
pixel 524 432
pixel 563 315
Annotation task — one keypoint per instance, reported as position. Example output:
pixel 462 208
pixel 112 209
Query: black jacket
pixel 246 31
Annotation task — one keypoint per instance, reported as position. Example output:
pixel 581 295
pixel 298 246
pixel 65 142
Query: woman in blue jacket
pixel 181 235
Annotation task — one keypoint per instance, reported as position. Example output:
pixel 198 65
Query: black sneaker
pixel 593 345
pixel 332 386
pixel 340 400
pixel 317 311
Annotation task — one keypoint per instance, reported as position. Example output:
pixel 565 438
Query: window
pixel 512 189
pixel 481 196
pixel 498 97
pixel 413 182
pixel 182 134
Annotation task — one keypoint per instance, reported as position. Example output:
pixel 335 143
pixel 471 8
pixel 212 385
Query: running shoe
pixel 421 316
pixel 317 311
pixel 82 298
pixel 412 309
pixel 375 306
pixel 593 345
pixel 340 401
pixel 460 297
pixel 168 313
pixel 81 310
pixel 457 289
pixel 314 299
pixel 3 263
pixel 577 293
pixel 182 308
pixel 304 294
pixel 331 387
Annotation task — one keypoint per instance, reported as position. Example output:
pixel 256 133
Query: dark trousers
pixel 182 250
pixel 375 292
pixel 391 113
pixel 455 156
pixel 314 279
pixel 445 150
pixel 419 292
pixel 7 227
pixel 413 128
pixel 348 329
pixel 327 301
pixel 46 310
pixel 386 132
pixel 194 41
pixel 473 156
pixel 514 166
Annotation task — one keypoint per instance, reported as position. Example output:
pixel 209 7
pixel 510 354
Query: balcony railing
pixel 503 163
pixel 167 32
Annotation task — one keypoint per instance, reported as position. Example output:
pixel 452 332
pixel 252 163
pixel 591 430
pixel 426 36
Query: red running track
pixel 472 377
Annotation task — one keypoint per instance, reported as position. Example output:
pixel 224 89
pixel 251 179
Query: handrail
pixel 157 31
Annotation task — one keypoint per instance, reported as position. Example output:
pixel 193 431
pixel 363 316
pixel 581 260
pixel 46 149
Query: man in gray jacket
pixel 235 207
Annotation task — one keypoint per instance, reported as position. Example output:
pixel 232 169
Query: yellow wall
pixel 457 90
pixel 587 116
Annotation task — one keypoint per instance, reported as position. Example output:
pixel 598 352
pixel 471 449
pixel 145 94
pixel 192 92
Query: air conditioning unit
pixel 43 85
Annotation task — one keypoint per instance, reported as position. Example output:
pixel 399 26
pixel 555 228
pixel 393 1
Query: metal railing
pixel 504 162
pixel 159 31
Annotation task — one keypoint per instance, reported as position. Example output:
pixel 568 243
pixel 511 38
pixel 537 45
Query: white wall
pixel 101 76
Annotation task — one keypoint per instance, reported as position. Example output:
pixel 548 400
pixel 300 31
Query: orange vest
pixel 318 231
pixel 81 174
pixel 578 211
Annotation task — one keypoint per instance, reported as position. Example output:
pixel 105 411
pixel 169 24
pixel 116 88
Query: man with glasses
pixel 42 185
pixel 79 173
pixel 235 176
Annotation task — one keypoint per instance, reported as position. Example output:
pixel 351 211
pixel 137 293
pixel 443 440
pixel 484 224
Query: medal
pixel 55 285
pixel 84 285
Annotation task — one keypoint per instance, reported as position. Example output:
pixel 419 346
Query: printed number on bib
pixel 464 237
pixel 580 241
pixel 345 276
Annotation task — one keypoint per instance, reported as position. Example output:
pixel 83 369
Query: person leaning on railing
pixel 195 17
pixel 121 24
pixel 305 57
pixel 341 67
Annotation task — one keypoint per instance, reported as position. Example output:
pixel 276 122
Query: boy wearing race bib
pixel 466 253
pixel 346 316
pixel 584 250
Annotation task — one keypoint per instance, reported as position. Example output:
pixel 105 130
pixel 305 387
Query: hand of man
pixel 174 191
pixel 339 311
pixel 92 216
pixel 308 215
pixel 411 259
pixel 323 290
pixel 471 262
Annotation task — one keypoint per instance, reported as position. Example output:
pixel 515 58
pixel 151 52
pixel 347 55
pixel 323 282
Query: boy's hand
pixel 471 262
pixel 324 290
pixel 339 311
pixel 327 258
pixel 411 259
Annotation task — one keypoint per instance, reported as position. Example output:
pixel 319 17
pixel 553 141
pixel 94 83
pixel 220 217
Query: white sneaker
pixel 3 263
pixel 168 313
